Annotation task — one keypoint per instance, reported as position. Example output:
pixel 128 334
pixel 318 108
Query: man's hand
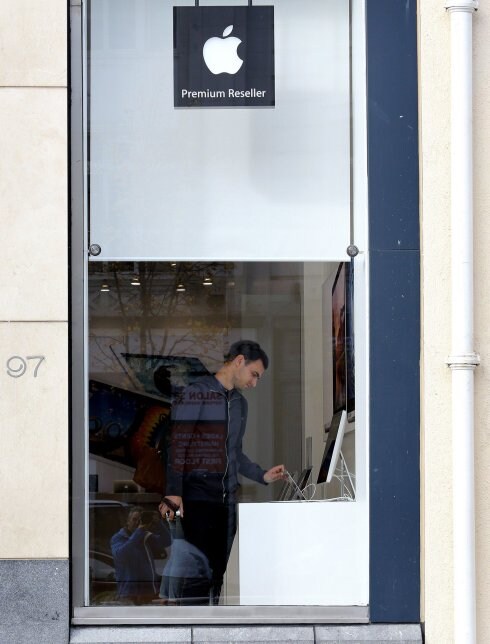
pixel 149 521
pixel 169 506
pixel 276 473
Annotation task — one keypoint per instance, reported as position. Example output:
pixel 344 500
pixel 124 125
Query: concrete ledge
pixel 359 634
pixel 129 634
pixel 34 601
pixel 369 633
pixel 253 634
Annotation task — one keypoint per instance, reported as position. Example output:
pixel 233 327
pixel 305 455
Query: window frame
pixel 79 243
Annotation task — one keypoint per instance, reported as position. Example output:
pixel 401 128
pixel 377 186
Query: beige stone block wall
pixel 33 37
pixel 436 454
pixel 33 185
pixel 34 288
pixel 437 469
pixel 34 413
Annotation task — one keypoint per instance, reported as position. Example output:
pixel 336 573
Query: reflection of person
pixel 205 455
pixel 134 548
pixel 187 575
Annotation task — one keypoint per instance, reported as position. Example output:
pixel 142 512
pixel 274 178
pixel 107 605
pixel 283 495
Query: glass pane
pixel 219 183
pixel 178 409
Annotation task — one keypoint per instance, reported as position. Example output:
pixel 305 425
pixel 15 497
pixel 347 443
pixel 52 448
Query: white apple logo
pixel 220 54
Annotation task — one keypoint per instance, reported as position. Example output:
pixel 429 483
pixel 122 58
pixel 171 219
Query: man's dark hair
pixel 251 351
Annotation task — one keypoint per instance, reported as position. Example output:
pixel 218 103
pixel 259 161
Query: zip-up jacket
pixel 205 454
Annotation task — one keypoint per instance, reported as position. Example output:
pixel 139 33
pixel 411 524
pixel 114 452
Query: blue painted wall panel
pixel 394 311
pixel 394 444
pixel 392 124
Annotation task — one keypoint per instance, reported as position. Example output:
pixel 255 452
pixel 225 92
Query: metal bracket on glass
pixel 352 250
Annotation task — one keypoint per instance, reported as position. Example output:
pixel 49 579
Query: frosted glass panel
pixel 218 183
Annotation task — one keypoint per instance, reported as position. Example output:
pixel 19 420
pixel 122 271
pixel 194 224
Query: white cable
pixel 295 485
pixel 314 491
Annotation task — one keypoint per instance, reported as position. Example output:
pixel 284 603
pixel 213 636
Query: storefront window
pixel 199 376
pixel 224 350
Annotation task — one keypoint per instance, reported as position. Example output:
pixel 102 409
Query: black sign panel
pixel 224 56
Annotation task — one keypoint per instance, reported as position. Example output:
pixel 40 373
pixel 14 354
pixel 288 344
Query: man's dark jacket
pixel 205 454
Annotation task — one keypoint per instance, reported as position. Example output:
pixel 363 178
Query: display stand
pixel 346 480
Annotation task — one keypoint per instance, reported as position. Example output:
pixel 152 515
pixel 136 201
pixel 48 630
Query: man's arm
pixel 246 467
pixel 249 469
pixel 252 470
pixel 159 536
pixel 185 413
pixel 123 547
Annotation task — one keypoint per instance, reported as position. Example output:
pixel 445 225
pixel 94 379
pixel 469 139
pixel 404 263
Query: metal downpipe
pixel 463 360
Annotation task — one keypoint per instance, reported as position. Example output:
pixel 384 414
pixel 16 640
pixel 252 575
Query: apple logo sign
pixel 220 54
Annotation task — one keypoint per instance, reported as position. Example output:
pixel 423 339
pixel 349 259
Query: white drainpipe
pixel 463 359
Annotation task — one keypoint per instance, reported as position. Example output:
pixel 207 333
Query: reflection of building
pixel 409 101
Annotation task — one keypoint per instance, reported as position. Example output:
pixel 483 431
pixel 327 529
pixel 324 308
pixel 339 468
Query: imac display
pixel 343 340
pixel 332 447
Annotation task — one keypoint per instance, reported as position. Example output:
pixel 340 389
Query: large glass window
pixel 172 413
pixel 224 416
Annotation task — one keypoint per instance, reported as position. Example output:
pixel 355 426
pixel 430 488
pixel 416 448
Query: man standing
pixel 205 456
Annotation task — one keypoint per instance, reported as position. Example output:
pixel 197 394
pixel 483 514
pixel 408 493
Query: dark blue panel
pixel 392 123
pixel 394 442
pixel 394 311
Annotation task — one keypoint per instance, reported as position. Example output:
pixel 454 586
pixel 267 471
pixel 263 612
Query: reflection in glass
pixel 161 424
pixel 135 547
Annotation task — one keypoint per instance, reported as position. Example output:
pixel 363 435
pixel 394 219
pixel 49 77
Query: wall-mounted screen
pixel 332 447
pixel 343 340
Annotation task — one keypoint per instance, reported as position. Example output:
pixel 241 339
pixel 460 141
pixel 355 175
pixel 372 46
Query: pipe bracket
pixel 463 361
pixel 461 5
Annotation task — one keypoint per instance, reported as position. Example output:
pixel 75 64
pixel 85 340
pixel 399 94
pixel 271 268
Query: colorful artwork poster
pixel 121 422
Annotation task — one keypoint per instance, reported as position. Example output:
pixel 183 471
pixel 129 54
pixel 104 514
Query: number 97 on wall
pixel 16 366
